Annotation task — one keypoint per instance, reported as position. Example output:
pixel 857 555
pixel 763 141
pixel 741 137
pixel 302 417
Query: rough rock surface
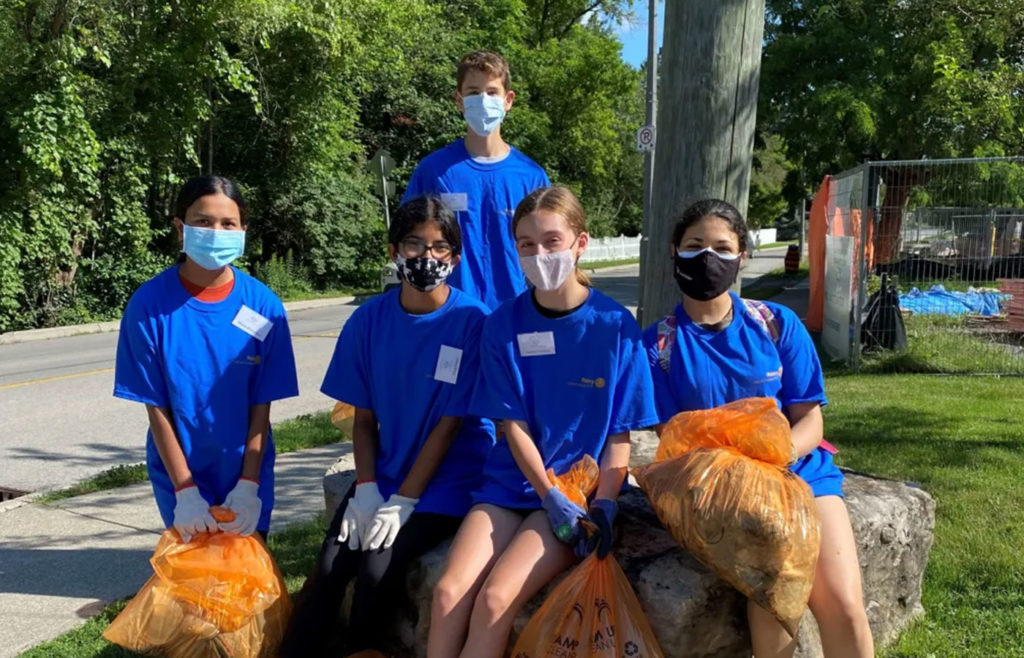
pixel 693 612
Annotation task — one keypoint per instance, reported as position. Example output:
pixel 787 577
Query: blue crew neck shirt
pixel 402 366
pixel 484 196
pixel 191 357
pixel 574 380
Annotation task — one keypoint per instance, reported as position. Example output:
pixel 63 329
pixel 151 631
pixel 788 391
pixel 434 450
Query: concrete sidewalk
pixel 60 564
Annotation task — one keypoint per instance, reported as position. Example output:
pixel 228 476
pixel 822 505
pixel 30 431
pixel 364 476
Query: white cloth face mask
pixel 548 271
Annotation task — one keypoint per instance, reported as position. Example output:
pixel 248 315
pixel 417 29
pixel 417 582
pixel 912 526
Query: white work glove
pixel 358 513
pixel 192 513
pixel 388 520
pixel 246 504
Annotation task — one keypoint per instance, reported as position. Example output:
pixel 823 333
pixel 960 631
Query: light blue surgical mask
pixel 483 112
pixel 210 248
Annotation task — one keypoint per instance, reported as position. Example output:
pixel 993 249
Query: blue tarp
pixel 939 301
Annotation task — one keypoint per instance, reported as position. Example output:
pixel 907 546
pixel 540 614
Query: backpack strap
pixel 666 340
pixel 765 318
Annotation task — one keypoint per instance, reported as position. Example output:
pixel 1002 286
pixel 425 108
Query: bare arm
pixel 808 426
pixel 527 457
pixel 431 454
pixel 167 445
pixel 256 444
pixel 365 435
pixel 614 466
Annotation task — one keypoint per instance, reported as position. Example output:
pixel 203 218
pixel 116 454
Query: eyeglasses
pixel 414 248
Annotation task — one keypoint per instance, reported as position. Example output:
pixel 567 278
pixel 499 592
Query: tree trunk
pixel 707 106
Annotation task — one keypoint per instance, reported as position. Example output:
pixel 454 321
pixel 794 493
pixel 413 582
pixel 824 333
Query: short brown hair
pixel 489 62
pixel 560 200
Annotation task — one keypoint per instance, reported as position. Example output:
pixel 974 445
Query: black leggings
pixel 380 585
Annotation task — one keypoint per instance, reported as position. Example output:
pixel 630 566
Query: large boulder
pixel 692 611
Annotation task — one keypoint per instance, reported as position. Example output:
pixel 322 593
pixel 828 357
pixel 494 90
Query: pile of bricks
pixel 1015 306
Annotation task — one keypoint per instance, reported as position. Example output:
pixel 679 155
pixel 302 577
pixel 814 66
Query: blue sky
pixel 634 36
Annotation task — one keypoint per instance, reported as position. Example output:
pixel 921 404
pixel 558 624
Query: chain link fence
pixel 942 241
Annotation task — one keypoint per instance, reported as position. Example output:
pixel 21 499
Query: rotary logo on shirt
pixel 251 360
pixel 588 382
pixel 770 376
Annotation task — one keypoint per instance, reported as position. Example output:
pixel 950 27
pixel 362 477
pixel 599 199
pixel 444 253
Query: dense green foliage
pixel 848 80
pixel 107 106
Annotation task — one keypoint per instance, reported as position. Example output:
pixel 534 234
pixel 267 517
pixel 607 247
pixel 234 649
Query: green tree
pixel 847 80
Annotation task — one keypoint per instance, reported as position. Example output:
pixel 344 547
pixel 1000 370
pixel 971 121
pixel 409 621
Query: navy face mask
pixel 705 274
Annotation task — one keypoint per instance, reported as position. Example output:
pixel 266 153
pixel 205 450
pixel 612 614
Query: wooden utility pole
pixel 707 107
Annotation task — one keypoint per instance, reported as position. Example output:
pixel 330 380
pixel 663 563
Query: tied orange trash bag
pixel 579 481
pixel 218 595
pixel 721 486
pixel 593 612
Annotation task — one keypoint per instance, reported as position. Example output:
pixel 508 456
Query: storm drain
pixel 10 494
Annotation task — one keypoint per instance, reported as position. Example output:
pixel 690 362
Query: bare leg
pixel 529 563
pixel 484 534
pixel 837 598
pixel 768 638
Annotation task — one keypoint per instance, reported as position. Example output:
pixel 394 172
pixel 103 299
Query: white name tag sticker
pixel 537 343
pixel 252 323
pixel 457 201
pixel 448 361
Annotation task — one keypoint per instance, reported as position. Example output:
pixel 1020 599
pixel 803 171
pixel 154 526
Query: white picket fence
pixel 622 247
pixel 613 248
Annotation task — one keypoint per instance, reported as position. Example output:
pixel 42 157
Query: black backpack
pixel 883 327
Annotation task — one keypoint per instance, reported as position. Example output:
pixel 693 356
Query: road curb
pixel 29 335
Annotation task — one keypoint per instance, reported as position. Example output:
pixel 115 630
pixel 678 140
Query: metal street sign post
pixel 381 165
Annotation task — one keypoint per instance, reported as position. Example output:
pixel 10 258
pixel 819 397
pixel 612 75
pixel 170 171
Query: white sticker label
pixel 457 201
pixel 537 343
pixel 448 361
pixel 252 323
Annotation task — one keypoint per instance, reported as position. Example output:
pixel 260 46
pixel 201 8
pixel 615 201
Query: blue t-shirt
pixel 587 378
pixel 190 357
pixel 484 196
pixel 711 368
pixel 411 370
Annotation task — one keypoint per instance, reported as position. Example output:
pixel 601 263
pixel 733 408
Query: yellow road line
pixel 57 378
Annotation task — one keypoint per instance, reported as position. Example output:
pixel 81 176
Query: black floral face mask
pixel 423 273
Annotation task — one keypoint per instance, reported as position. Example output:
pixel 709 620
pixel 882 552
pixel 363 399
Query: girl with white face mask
pixel 562 366
pixel 206 348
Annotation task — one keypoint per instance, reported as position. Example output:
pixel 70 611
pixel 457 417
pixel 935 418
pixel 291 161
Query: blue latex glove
pixel 563 515
pixel 602 515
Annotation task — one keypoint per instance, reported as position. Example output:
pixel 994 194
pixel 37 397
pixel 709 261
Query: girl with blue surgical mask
pixel 207 349
pixel 563 367
pixel 716 348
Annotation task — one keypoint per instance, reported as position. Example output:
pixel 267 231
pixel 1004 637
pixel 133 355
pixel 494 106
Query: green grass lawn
pixel 306 431
pixel 945 345
pixel 962 440
pixel 602 264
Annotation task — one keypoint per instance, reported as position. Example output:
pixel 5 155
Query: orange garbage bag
pixel 720 485
pixel 593 612
pixel 218 595
pixel 579 481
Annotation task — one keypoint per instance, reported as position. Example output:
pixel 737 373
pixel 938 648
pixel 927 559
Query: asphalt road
pixel 59 422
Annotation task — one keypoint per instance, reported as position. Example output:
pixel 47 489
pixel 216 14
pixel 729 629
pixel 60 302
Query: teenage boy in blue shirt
pixel 482 178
